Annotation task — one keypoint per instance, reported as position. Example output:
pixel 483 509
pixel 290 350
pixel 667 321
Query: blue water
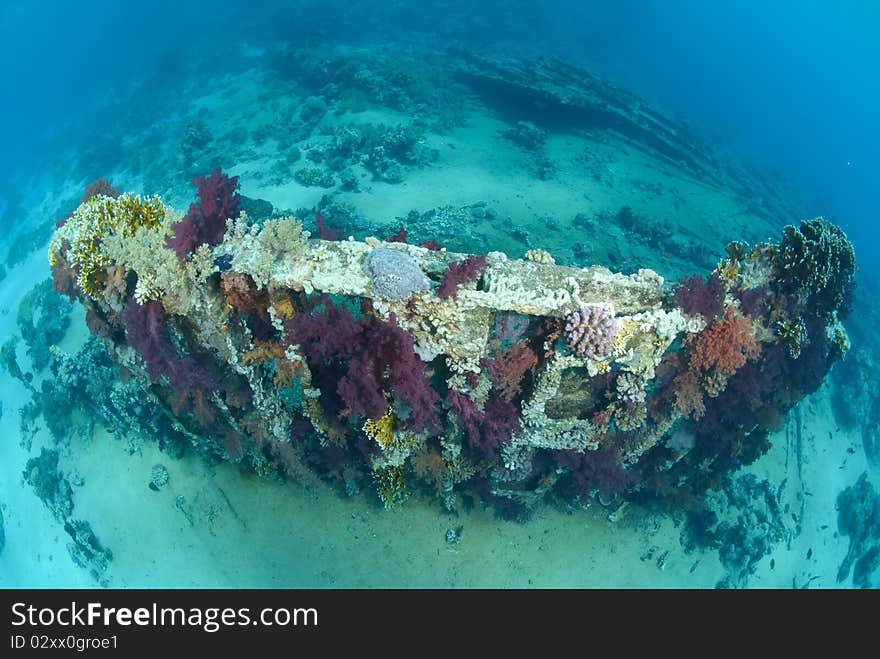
pixel 795 85
pixel 791 87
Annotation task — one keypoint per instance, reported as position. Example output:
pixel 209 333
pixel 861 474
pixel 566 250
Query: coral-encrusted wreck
pixel 342 360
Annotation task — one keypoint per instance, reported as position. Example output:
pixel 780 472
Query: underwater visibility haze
pixel 521 294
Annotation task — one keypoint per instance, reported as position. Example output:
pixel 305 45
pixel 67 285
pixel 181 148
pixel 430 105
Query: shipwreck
pixel 381 365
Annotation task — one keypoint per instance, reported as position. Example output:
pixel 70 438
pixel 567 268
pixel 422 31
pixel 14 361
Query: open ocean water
pixel 453 377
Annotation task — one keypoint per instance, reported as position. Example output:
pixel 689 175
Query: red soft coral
pixel 509 368
pixel 399 237
pixel 100 187
pixel 596 471
pixel 689 395
pixel 326 232
pixel 374 359
pixel 725 345
pixel 218 201
pixel 713 355
pixel 460 272
pixel 698 296
pixel 205 222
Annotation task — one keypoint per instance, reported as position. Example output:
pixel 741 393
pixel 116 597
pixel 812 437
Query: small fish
pixel 809 553
pixel 823 527
pixel 850 450
pixel 772 563
pixel 694 566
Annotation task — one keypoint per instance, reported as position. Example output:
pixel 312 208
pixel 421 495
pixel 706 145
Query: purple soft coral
pixel 486 430
pixel 205 222
pixel 596 471
pixel 147 333
pixel 375 358
pixel 698 296
pixel 591 331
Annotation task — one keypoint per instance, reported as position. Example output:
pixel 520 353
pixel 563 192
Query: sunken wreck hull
pixel 397 368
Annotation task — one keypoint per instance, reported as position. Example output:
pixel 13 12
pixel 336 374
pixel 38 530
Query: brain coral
pixel 394 274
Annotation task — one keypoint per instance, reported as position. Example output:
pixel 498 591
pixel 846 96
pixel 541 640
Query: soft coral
pixel 487 430
pixel 598 471
pixel 460 272
pixel 205 222
pixel 147 332
pixel 698 296
pixel 373 357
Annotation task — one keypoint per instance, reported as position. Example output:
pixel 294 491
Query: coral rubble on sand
pixel 394 366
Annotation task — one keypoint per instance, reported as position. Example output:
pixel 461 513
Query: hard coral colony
pixel 544 382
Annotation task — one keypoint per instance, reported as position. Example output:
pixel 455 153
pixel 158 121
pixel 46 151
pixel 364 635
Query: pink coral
pixel 590 332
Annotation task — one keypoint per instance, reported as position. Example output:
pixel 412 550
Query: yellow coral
pixel 539 255
pixel 132 212
pixel 284 308
pixel 389 485
pixel 728 270
pixel 382 430
pixel 93 221
pixel 627 328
